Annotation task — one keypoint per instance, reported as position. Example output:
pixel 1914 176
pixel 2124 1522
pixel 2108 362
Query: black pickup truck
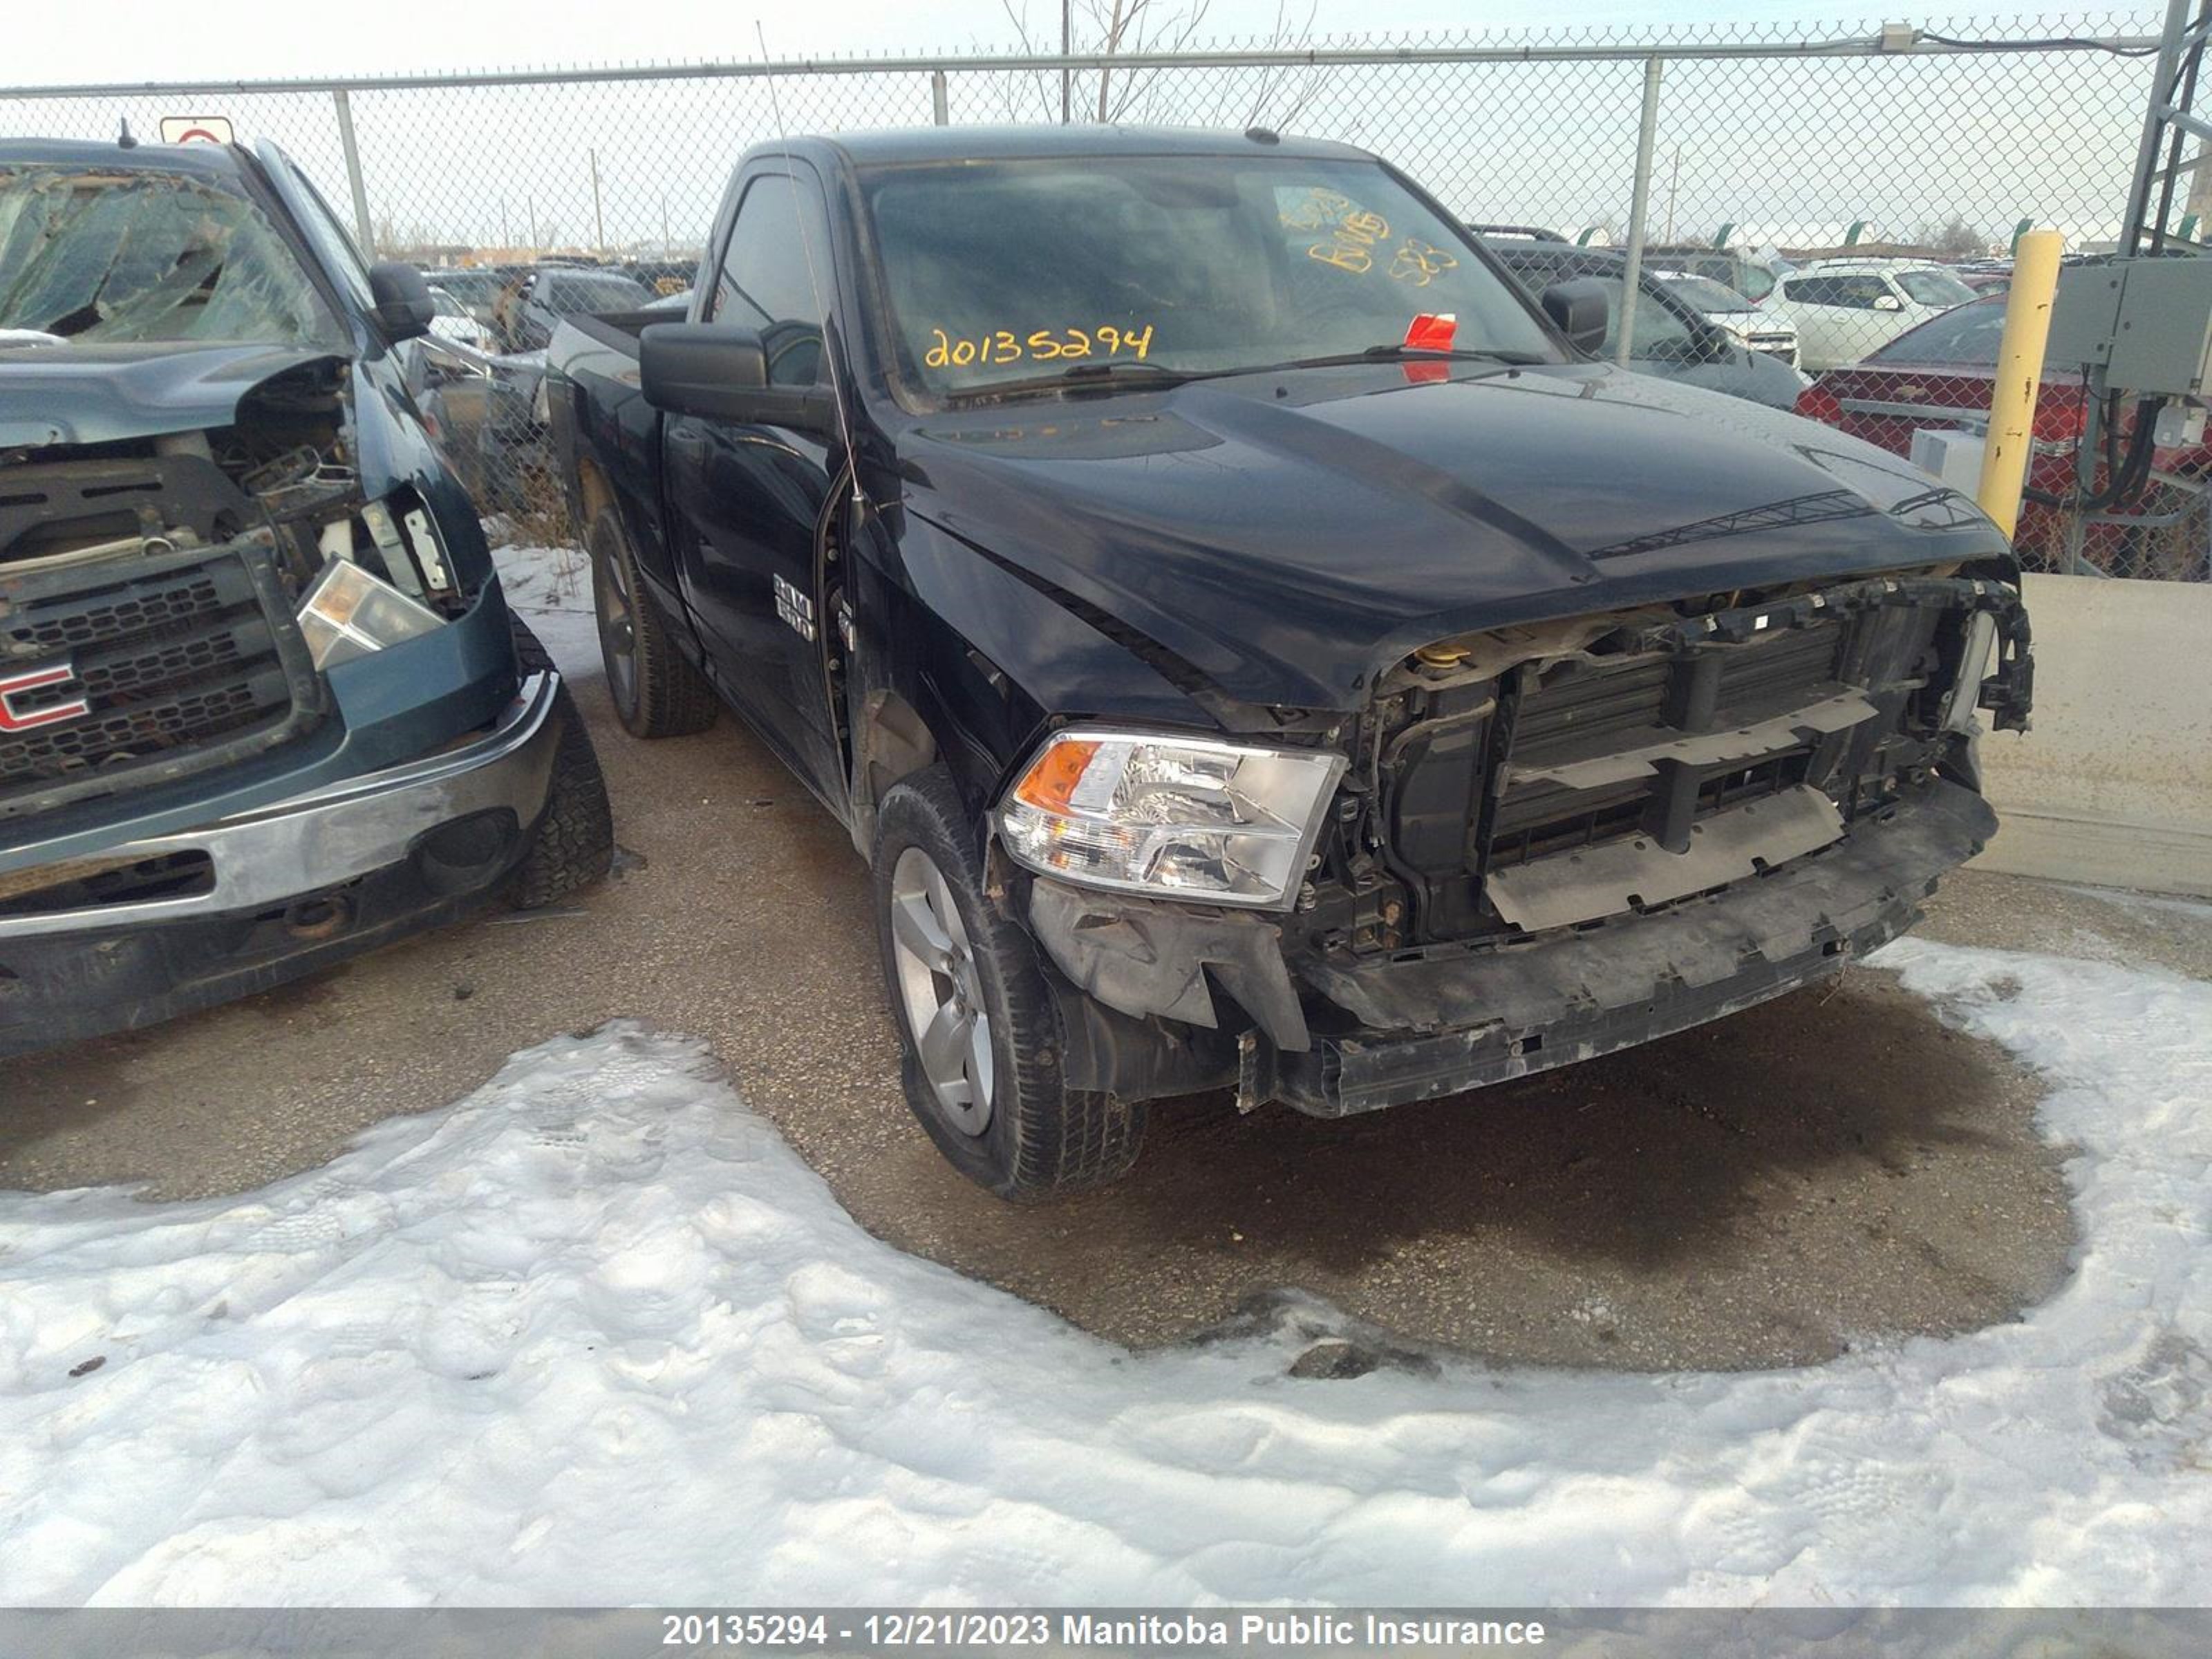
pixel 1250 640
pixel 262 703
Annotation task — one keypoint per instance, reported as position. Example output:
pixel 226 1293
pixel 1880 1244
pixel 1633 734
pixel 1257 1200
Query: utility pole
pixel 666 246
pixel 1673 178
pixel 503 242
pixel 1066 45
pixel 530 203
pixel 598 226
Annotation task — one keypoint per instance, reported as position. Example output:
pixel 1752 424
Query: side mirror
pixel 1887 302
pixel 402 299
pixel 1578 308
pixel 718 371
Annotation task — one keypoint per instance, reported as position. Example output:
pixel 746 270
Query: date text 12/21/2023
pixel 1217 1631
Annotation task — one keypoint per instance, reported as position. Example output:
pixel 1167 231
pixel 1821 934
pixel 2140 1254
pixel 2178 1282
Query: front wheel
pixel 980 1034
pixel 574 843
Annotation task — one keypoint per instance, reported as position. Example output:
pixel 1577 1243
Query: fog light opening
pixel 319 918
pixel 468 851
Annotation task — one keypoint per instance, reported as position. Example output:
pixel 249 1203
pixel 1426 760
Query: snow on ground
pixel 595 1334
pixel 550 588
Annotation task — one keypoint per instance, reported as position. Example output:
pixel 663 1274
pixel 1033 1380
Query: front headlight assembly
pixel 1176 817
pixel 349 609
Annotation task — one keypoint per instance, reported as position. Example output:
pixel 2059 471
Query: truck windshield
pixel 142 256
pixel 1004 273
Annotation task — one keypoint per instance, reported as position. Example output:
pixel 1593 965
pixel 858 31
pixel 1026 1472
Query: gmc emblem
pixel 14 685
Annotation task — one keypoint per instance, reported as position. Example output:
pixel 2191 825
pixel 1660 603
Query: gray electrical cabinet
pixel 2147 322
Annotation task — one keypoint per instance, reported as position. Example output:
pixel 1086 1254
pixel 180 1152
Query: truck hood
pixel 1290 536
pixel 74 394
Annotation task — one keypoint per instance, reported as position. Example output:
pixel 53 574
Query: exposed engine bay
pixel 284 475
pixel 1524 779
pixel 172 599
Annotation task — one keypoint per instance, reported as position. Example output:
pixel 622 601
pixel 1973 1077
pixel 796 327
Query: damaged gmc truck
pixel 262 704
pixel 1251 640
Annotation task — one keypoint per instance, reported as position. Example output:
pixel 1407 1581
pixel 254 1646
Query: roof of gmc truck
pixel 1024 142
pixel 200 160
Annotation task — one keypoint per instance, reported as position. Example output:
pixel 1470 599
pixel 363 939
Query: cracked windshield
pixel 146 257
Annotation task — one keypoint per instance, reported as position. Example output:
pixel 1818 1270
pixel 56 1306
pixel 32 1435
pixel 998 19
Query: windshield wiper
pixel 1086 373
pixel 1406 353
pixel 1154 374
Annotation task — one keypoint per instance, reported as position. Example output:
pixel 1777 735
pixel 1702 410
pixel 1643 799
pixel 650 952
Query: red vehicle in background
pixel 1940 375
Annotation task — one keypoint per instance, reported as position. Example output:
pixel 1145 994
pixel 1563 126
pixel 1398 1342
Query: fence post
pixel 1647 132
pixel 598 224
pixel 361 227
pixel 937 110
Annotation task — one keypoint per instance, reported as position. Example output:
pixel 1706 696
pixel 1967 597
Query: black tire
pixel 1042 1139
pixel 574 844
pixel 657 692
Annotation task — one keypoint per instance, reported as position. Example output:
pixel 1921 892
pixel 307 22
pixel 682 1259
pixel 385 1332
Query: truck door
pixel 745 502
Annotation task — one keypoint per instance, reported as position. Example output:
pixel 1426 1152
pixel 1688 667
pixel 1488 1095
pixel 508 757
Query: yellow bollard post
pixel 2019 375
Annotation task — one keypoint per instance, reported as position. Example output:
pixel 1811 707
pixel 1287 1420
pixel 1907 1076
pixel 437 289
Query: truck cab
pixel 1251 640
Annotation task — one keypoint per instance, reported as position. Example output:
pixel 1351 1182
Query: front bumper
pixel 283 888
pixel 1385 1032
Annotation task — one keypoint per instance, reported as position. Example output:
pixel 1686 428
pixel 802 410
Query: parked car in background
pixel 488 406
pixel 662 277
pixel 1845 308
pixel 1986 276
pixel 533 302
pixel 1748 274
pixel 1739 318
pixel 1941 376
pixel 1673 339
pixel 475 288
pixel 1233 676
pixel 453 322
pixel 262 703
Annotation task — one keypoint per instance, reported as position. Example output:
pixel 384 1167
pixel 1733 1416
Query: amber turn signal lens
pixel 1049 785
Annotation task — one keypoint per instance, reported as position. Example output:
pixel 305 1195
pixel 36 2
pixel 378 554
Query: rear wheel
pixel 657 692
pixel 574 844
pixel 980 1031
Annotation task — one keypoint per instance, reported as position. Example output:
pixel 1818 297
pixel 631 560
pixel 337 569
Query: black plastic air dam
pixel 1442 1026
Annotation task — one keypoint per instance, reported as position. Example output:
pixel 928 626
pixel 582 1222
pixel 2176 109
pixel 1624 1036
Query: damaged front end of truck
pixel 1553 841
pixel 260 699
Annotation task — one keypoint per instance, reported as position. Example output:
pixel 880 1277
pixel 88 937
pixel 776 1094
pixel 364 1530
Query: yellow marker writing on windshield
pixel 1001 345
pixel 1352 248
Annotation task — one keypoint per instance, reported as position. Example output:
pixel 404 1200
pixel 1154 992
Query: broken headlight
pixel 347 613
pixel 1180 817
pixel 385 579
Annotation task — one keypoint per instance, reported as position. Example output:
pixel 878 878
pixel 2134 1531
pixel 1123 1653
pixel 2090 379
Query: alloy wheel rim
pixel 941 991
pixel 617 630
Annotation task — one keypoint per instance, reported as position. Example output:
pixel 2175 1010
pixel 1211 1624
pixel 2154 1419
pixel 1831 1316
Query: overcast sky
pixel 1788 149
pixel 145 40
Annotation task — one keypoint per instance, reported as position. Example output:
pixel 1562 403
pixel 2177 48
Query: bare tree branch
pixel 1011 83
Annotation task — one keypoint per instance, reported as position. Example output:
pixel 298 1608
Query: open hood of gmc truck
pixel 89 394
pixel 1289 535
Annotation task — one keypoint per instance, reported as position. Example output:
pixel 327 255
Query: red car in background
pixel 1940 375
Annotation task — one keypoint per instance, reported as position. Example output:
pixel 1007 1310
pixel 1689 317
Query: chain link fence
pixel 1844 200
